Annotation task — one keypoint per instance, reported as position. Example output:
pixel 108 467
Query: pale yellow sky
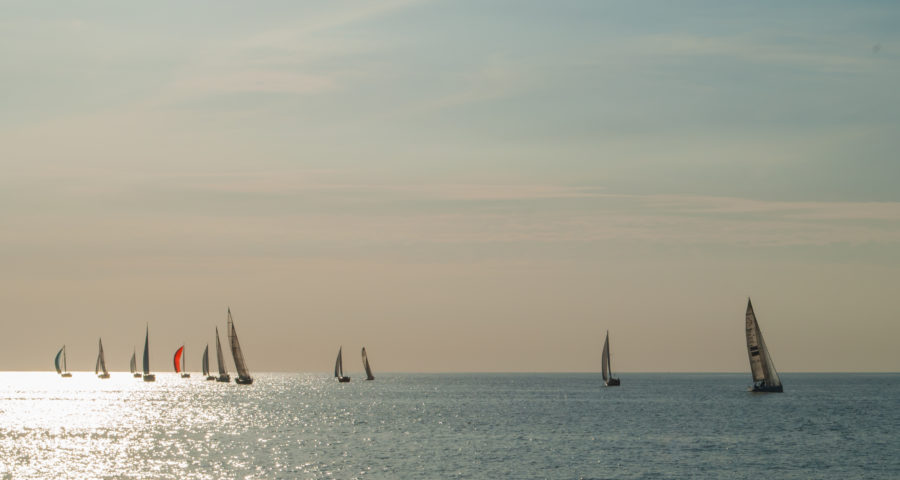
pixel 489 195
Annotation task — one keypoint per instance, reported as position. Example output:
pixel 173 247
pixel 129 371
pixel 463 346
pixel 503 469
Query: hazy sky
pixel 458 186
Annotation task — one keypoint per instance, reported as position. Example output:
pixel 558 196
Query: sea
pixel 434 426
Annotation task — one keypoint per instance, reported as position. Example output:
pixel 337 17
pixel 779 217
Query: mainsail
pixel 101 361
pixel 60 354
pixel 607 370
pixel 178 358
pixel 205 364
pixel 133 365
pixel 147 352
pixel 761 365
pixel 339 365
pixel 220 359
pixel 239 364
pixel 365 360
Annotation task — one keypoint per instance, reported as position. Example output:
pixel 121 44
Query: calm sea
pixel 825 426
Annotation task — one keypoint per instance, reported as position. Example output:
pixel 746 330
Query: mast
pixel 365 359
pixel 239 364
pixel 147 352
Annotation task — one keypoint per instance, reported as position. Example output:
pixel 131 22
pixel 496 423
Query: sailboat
pixel 179 363
pixel 148 377
pixel 101 364
pixel 339 369
pixel 765 378
pixel 134 371
pixel 365 359
pixel 240 365
pixel 205 364
pixel 220 361
pixel 607 365
pixel 64 371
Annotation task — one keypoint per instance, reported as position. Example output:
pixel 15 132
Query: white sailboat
pixel 179 362
pixel 339 368
pixel 765 378
pixel 134 371
pixel 365 360
pixel 220 361
pixel 101 363
pixel 148 377
pixel 206 364
pixel 63 370
pixel 607 365
pixel 240 365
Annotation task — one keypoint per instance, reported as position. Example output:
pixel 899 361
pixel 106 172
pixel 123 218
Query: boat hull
pixel 185 375
pixel 243 380
pixel 137 375
pixel 223 378
pixel 613 382
pixel 343 379
pixel 210 377
pixel 767 389
pixel 103 375
pixel 65 375
pixel 150 377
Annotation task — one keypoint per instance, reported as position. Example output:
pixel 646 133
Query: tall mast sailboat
pixel 63 370
pixel 179 362
pixel 607 365
pixel 220 361
pixel 240 365
pixel 365 360
pixel 134 371
pixel 148 377
pixel 205 364
pixel 339 368
pixel 765 378
pixel 101 363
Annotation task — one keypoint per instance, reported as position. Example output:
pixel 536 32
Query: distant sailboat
pixel 64 370
pixel 765 378
pixel 339 368
pixel 220 361
pixel 134 371
pixel 101 363
pixel 365 359
pixel 240 365
pixel 148 377
pixel 206 364
pixel 179 363
pixel 607 365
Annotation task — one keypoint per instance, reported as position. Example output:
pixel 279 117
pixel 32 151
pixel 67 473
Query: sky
pixel 458 186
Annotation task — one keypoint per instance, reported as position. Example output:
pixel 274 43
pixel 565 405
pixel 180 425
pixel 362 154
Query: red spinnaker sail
pixel 178 359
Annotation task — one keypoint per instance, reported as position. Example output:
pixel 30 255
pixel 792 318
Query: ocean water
pixel 825 426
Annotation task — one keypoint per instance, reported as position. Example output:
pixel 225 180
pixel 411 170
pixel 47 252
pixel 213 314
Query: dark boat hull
pixel 210 377
pixel 613 382
pixel 343 379
pixel 103 375
pixel 65 375
pixel 767 389
pixel 243 380
pixel 137 375
pixel 185 375
pixel 223 378
pixel 150 377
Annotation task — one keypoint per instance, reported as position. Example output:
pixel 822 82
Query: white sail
pixel 365 360
pixel 239 364
pixel 220 359
pixel 101 361
pixel 339 365
pixel 605 363
pixel 147 352
pixel 206 361
pixel 761 365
